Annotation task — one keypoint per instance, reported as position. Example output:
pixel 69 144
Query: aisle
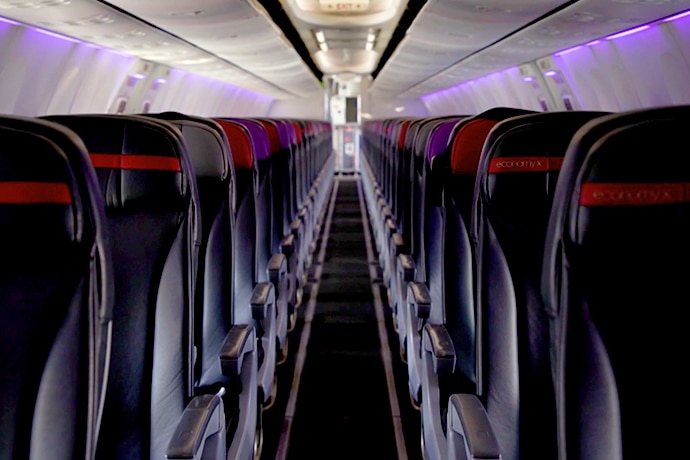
pixel 342 393
pixel 343 409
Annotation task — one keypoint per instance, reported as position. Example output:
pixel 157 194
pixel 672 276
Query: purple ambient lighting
pixel 677 16
pixel 138 76
pixel 56 35
pixel 628 32
pixel 9 21
pixel 569 50
pixel 550 73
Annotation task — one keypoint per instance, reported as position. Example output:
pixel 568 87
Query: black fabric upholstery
pixel 55 293
pixel 616 269
pixel 155 231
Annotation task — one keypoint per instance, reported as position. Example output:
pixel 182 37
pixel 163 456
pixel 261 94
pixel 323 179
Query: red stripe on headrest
pixel 627 194
pixel 148 162
pixel 467 145
pixel 34 193
pixel 403 132
pixel 525 164
pixel 240 143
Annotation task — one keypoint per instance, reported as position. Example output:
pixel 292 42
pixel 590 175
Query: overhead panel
pixel 492 35
pixel 233 30
pixel 345 36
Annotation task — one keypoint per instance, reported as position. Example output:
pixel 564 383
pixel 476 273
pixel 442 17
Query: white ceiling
pixel 450 41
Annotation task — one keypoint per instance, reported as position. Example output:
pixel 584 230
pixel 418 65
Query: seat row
pixel 153 267
pixel 534 264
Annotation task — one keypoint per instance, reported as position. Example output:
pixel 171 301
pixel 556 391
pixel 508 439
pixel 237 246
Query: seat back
pixel 209 153
pixel 456 170
pixel 55 293
pixel 516 178
pixel 147 180
pixel 614 280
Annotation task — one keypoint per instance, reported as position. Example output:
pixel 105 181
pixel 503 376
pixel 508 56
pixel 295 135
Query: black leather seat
pixel 447 350
pixel 56 289
pixel 615 284
pixel 421 266
pixel 512 200
pixel 251 286
pixel 152 209
pixel 215 318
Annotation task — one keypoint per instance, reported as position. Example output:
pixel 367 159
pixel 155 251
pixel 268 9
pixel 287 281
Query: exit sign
pixel 335 6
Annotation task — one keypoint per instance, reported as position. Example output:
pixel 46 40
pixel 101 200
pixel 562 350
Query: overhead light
pixel 399 109
pixel 323 46
pixel 320 37
pixel 369 46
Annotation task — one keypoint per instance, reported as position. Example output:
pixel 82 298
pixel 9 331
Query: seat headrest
pixel 140 163
pixel 467 139
pixel 531 143
pixel 240 144
pixel 39 199
pixel 273 136
pixel 261 148
pixel 206 145
pixel 438 139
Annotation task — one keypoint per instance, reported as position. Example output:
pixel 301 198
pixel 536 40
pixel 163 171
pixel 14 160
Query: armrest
pixel 201 428
pixel 277 268
pixel 302 213
pixel 397 242
pixel 382 203
pixel 238 342
pixel 469 429
pixel 419 298
pixel 437 341
pixel 296 225
pixel 287 244
pixel 391 226
pixel 262 297
pixel 407 267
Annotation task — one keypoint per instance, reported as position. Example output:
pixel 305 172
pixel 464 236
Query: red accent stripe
pixel 467 145
pixel 525 164
pixel 627 194
pixel 34 193
pixel 148 162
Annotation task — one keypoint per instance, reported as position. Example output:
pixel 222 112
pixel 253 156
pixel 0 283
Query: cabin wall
pixel 648 68
pixel 377 108
pixel 305 108
pixel 44 74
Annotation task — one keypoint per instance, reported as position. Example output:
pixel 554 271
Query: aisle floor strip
pixel 383 335
pixel 301 356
